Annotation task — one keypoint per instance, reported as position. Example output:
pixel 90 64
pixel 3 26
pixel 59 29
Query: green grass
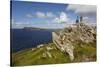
pixel 84 50
pixel 29 57
pixel 35 57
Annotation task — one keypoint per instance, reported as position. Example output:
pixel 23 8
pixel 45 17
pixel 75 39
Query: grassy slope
pixel 29 57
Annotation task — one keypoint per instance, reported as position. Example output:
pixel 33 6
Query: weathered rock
pixel 69 36
pixel 39 46
pixel 33 49
pixel 49 48
pixel 48 54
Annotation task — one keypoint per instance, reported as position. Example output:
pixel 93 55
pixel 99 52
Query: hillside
pixel 42 55
pixel 34 56
pixel 82 37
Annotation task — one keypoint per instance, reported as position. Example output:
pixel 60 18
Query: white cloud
pixel 40 14
pixel 84 10
pixel 87 11
pixel 89 20
pixel 19 24
pixel 50 14
pixel 63 17
pixel 56 20
pixel 86 18
pixel 29 15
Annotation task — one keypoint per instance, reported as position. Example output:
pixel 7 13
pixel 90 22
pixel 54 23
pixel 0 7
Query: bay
pixel 22 39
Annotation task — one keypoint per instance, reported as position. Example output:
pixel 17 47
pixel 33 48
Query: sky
pixel 49 15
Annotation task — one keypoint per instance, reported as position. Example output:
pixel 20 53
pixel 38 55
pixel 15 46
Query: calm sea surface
pixel 22 39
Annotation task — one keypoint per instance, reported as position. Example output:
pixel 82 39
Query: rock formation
pixel 70 36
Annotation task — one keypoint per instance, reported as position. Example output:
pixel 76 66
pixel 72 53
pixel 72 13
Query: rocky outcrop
pixel 67 38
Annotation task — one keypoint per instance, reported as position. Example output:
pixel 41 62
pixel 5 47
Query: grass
pixel 82 53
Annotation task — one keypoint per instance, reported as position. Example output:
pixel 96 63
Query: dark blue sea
pixel 23 39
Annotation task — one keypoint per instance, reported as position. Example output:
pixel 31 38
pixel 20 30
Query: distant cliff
pixel 36 28
pixel 31 28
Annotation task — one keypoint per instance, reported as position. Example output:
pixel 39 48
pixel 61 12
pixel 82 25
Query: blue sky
pixel 48 15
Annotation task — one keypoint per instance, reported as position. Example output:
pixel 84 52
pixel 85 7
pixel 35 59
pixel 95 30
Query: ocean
pixel 22 39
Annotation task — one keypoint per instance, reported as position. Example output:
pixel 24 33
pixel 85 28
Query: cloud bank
pixel 62 17
pixel 84 10
pixel 87 11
